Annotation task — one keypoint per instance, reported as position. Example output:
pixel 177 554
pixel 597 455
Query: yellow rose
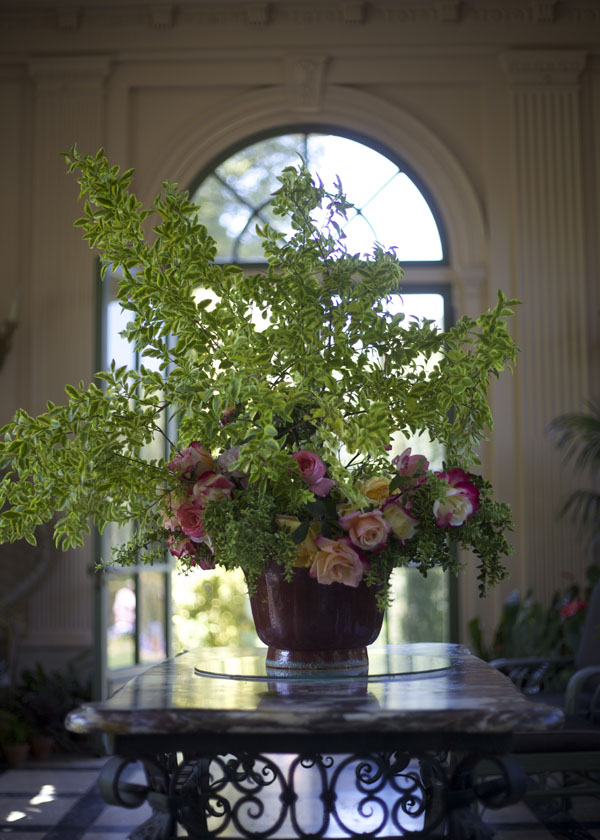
pixel 376 488
pixel 403 525
pixel 307 549
pixel 344 508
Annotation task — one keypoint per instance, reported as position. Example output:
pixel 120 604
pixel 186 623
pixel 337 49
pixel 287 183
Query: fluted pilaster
pixel 550 278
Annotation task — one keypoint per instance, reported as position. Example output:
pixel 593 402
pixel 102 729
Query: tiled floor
pixel 59 800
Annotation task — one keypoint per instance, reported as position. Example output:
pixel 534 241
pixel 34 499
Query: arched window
pixel 390 206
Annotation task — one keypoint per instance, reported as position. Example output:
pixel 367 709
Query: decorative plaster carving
pixel 354 12
pixel 535 68
pixel 449 11
pixel 162 16
pixel 544 11
pixel 26 14
pixel 257 14
pixel 68 17
pixel 305 75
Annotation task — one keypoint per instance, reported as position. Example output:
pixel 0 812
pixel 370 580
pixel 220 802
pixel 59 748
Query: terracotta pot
pixel 15 754
pixel 309 625
pixel 41 747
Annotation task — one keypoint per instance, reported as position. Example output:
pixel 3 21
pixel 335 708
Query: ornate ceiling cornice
pixel 158 14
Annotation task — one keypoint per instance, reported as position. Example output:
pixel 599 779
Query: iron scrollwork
pixel 259 796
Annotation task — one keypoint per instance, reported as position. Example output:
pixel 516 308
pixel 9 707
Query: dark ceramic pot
pixel 313 626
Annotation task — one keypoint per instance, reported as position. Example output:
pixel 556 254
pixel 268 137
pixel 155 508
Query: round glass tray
pixel 382 665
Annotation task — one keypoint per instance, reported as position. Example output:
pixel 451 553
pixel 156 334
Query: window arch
pixel 391 206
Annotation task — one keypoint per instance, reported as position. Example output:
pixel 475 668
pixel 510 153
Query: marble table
pixel 230 750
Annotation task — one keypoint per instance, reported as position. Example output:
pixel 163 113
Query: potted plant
pixel 14 736
pixel 577 434
pixel 46 698
pixel 286 387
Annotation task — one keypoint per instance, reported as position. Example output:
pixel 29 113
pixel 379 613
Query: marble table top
pixel 409 689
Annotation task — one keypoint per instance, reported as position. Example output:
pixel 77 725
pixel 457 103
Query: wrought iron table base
pixel 312 795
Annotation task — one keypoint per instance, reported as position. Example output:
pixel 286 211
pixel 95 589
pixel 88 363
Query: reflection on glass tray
pixel 382 664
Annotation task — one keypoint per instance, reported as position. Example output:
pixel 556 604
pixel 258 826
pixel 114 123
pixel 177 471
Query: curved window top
pixel 388 206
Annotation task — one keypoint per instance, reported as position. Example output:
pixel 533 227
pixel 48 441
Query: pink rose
pixel 368 531
pixel 212 487
pixel 312 470
pixel 192 461
pixel 189 515
pixel 169 504
pixel 225 463
pixel 412 466
pixel 460 500
pixel 336 561
pixel 187 549
pixel 403 525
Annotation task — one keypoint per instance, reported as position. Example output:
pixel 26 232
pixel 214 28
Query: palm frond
pixel 578 435
pixel 584 508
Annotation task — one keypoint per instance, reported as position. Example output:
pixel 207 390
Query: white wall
pixel 495 104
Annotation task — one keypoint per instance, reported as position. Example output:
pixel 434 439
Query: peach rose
pixel 337 561
pixel 368 531
pixel 376 488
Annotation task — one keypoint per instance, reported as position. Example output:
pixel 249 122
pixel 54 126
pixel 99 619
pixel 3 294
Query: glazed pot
pixel 314 626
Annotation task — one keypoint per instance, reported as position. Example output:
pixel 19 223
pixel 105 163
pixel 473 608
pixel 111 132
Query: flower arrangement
pixel 286 387
pixel 405 517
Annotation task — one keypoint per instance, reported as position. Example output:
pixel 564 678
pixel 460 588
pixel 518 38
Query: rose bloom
pixel 344 508
pixel 368 531
pixel 190 519
pixel 312 469
pixel 192 461
pixel 376 488
pixel 337 561
pixel 169 506
pixel 306 550
pixel 412 466
pixel 403 525
pixel 460 501
pixel 212 487
pixel 187 549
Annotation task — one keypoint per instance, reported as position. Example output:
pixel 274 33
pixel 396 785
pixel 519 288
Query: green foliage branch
pixel 329 369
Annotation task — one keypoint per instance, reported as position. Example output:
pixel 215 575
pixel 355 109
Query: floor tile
pixel 114 816
pixel 62 781
pixel 20 810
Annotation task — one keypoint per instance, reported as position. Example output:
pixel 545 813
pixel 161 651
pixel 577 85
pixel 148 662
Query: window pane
pixel 121 621
pixel 152 616
pixel 389 207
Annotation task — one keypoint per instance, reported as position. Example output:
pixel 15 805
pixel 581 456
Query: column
pixel 549 268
